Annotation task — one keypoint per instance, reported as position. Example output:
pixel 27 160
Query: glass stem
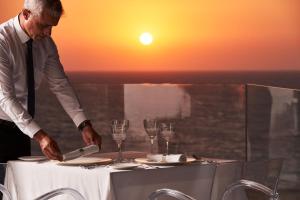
pixel 120 157
pixel 151 147
pixel 167 147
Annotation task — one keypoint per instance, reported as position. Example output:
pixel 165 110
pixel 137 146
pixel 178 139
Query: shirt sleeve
pixel 8 100
pixel 59 84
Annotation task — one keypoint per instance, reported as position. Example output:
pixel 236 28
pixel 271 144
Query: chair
pixel 192 179
pixel 266 172
pixel 252 185
pixel 69 191
pixel 171 193
pixel 261 176
pixel 75 194
pixel 200 188
pixel 3 189
pixel 5 192
pixel 226 174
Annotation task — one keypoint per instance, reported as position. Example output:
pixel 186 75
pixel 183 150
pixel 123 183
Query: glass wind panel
pixel 273 129
pixel 209 118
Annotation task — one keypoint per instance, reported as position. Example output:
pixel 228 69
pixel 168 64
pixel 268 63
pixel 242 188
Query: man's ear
pixel 26 14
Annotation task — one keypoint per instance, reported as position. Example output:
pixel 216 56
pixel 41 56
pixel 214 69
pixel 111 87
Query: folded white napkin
pixel 155 157
pixel 168 158
pixel 176 158
pixel 81 152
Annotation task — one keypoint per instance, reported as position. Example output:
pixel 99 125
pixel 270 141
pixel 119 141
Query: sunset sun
pixel 146 38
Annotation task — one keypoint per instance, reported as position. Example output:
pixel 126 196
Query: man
pixel 28 53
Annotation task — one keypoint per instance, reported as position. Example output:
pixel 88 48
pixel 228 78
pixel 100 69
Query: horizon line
pixel 178 71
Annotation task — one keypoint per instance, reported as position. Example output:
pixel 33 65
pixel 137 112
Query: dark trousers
pixel 13 143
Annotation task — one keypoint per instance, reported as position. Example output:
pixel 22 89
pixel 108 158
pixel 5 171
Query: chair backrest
pixel 69 191
pixel 226 174
pixel 195 180
pixel 3 189
pixel 262 176
pixel 266 172
pixel 169 193
pixel 251 185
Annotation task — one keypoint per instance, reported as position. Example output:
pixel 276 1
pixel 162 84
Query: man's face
pixel 38 27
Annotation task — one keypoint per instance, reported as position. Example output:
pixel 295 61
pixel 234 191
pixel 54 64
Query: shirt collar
pixel 20 32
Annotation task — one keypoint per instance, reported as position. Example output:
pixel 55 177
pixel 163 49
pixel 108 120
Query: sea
pixel 222 114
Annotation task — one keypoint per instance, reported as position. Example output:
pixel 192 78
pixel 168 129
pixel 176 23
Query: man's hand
pixel 48 146
pixel 90 136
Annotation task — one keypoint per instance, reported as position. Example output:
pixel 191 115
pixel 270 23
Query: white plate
pixel 148 162
pixel 32 158
pixel 85 161
pixel 125 165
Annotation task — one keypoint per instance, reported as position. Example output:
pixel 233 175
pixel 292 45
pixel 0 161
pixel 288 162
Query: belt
pixel 7 123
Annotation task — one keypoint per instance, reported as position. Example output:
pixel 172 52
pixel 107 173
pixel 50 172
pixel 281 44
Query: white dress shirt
pixel 13 80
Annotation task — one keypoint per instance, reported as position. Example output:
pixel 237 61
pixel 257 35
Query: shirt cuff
pixel 80 117
pixel 31 129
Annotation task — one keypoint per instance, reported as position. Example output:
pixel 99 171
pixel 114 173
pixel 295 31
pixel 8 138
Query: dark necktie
pixel 30 79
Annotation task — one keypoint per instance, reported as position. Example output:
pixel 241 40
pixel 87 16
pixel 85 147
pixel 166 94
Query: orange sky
pixel 188 35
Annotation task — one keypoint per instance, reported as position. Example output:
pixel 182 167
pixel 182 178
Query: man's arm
pixel 60 86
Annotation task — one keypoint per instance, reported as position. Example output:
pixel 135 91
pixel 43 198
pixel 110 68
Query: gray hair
pixel 38 6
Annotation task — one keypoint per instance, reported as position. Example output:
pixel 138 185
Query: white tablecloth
pixel 28 180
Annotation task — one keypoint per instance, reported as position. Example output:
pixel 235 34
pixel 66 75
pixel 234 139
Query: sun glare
pixel 146 38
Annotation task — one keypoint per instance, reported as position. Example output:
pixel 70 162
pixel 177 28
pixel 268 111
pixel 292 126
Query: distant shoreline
pixel 289 79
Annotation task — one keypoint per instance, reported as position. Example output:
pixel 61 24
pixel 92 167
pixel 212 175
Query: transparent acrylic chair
pixel 204 192
pixel 262 176
pixel 171 193
pixel 226 174
pixel 61 191
pixel 3 191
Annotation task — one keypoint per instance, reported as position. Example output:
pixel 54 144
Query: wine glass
pixel 167 132
pixel 152 128
pixel 119 129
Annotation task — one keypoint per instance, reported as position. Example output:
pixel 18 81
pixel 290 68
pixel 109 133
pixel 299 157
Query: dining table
pixel 27 180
